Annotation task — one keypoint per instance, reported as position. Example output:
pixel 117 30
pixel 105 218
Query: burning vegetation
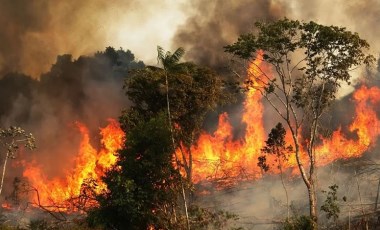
pixel 159 166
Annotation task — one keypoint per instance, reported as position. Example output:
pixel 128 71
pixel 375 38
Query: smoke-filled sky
pixel 35 32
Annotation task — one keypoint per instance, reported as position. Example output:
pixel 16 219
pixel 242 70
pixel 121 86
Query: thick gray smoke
pixel 33 33
pixel 214 24
pixel 88 90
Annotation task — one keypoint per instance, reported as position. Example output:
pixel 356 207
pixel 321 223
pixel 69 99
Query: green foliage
pixel 276 145
pixel 170 61
pixel 330 205
pixel 297 223
pixel 327 55
pixel 121 60
pixel 193 91
pixel 143 185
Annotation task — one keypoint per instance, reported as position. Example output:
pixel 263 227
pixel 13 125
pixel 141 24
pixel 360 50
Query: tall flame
pixel 218 156
pixel 89 163
pixel 365 125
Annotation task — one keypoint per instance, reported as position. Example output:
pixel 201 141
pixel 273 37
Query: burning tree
pixel 310 62
pixel 146 182
pixel 143 185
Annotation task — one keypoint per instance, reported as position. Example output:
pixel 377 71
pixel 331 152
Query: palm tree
pixel 168 60
pixel 170 64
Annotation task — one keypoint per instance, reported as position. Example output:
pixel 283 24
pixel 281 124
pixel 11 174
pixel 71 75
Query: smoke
pixel 34 32
pixel 214 24
pixel 262 204
pixel 88 90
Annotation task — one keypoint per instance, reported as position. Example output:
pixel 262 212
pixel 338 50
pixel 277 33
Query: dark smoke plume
pixel 215 24
pixel 34 32
pixel 88 90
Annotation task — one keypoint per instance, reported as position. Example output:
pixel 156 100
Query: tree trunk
pixel 284 186
pixel 313 205
pixel 173 143
pixel 309 182
pixel 3 174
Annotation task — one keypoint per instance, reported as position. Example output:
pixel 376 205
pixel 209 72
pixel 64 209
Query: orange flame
pixel 89 163
pixel 218 156
pixel 365 125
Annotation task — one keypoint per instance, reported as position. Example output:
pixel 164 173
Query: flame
pixel 6 206
pixel 365 125
pixel 218 156
pixel 89 163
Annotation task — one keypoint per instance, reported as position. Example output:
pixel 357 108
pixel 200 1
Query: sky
pixel 35 32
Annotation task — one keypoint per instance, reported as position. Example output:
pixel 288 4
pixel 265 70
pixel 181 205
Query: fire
pixel 89 163
pixel 220 157
pixel 6 205
pixel 365 125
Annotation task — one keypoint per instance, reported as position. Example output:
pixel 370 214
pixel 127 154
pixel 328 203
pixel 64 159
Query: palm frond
pixel 167 59
pixel 178 54
pixel 160 54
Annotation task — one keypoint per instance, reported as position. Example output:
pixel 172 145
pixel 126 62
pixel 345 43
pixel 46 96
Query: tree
pixel 276 145
pixel 193 92
pixel 10 140
pixel 143 185
pixel 309 62
pixel 330 205
pixel 170 62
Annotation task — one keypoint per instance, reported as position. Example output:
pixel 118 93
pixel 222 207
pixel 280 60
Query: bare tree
pixel 309 62
pixel 10 140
